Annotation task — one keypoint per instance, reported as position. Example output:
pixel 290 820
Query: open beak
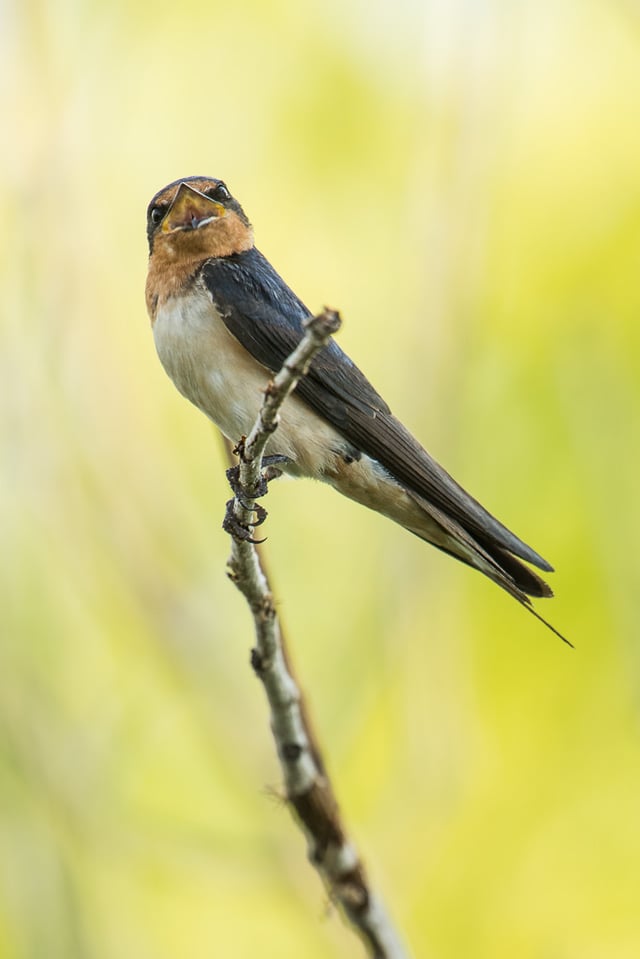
pixel 190 210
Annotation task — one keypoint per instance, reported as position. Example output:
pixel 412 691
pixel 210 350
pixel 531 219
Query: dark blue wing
pixel 266 316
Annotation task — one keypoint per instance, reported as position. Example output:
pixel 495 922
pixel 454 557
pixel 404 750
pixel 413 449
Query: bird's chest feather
pixel 207 364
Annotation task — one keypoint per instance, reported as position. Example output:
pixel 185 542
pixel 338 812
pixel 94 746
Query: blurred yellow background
pixel 462 181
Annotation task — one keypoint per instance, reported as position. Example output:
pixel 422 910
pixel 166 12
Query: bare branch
pixel 308 789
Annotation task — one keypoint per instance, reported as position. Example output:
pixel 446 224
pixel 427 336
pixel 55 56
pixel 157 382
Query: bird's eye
pixel 219 193
pixel 157 213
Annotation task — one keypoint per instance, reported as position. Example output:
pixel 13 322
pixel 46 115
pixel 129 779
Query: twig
pixel 308 790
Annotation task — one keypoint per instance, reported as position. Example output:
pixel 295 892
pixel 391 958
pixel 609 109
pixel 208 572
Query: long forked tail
pixel 494 561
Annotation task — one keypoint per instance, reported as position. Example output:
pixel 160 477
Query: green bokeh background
pixel 462 180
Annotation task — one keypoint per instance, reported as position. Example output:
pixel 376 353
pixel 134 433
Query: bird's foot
pixel 239 530
pixel 270 464
pixel 231 524
pixel 269 471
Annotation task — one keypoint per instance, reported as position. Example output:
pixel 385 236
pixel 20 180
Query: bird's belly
pixel 212 370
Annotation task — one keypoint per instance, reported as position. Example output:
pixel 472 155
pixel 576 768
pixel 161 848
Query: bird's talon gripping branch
pixel 244 496
pixel 233 478
pixel 234 527
pixel 270 467
pixel 270 472
pixel 261 515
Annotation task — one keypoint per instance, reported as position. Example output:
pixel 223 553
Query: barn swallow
pixel 224 322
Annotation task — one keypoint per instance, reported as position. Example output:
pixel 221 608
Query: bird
pixel 223 323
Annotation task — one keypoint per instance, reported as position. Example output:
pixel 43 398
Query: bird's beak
pixel 190 210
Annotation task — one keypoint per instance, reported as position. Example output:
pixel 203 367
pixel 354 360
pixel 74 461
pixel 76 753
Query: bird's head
pixel 197 217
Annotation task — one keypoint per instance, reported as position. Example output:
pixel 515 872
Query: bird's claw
pixel 270 466
pixel 233 477
pixel 232 525
pixel 270 471
pixel 261 514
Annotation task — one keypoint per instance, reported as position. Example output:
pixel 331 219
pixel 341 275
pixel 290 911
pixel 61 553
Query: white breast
pixel 210 367
pixel 207 364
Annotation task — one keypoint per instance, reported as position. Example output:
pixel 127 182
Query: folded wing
pixel 266 317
